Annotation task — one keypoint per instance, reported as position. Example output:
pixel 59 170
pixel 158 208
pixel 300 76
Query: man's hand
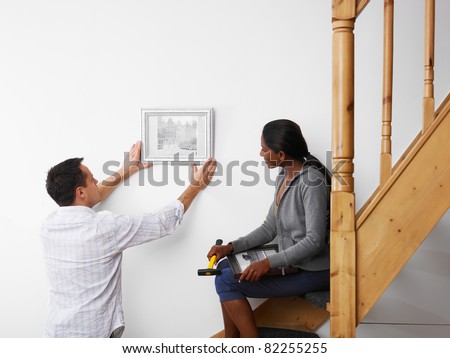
pixel 255 271
pixel 201 178
pixel 133 162
pixel 131 165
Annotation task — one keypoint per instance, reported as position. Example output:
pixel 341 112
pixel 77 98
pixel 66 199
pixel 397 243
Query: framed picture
pixel 241 260
pixel 177 135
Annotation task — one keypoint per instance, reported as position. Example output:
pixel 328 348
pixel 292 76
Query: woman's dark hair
pixel 63 179
pixel 285 135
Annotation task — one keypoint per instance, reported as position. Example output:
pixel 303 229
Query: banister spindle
pixel 428 86
pixel 386 131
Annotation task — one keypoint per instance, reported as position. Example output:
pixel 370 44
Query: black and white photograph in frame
pixel 178 136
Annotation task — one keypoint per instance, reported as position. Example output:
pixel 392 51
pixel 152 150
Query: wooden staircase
pixel 401 214
pixel 369 248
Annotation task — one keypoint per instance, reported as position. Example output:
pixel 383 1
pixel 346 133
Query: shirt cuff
pixel 238 246
pixel 179 205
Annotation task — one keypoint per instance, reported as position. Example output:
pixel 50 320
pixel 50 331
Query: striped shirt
pixel 83 252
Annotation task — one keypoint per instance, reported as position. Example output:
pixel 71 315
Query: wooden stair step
pixel 319 299
pixel 277 316
pixel 294 313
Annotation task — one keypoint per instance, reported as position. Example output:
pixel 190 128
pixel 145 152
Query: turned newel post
pixel 343 246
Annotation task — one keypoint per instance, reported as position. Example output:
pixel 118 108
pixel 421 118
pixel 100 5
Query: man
pixel 83 248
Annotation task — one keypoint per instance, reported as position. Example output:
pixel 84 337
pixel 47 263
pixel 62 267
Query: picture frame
pixel 179 136
pixel 241 260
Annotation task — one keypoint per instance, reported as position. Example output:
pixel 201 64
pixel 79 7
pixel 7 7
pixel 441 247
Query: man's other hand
pixel 201 178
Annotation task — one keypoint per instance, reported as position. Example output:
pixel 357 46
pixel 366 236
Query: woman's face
pixel 271 158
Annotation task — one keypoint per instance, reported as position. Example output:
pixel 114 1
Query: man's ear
pixel 282 155
pixel 79 193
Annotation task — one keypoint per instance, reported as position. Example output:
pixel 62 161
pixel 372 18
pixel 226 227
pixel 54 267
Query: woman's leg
pixel 231 331
pixel 241 315
pixel 236 310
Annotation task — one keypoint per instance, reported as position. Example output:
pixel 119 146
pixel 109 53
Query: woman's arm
pixel 260 236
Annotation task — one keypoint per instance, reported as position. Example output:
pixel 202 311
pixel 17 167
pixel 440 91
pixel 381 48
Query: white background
pixel 74 76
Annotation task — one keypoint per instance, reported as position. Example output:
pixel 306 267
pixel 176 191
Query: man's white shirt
pixel 83 252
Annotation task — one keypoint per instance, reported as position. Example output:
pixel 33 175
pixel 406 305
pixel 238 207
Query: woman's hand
pixel 255 271
pixel 220 251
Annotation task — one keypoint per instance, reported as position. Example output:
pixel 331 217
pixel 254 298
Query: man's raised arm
pixel 131 166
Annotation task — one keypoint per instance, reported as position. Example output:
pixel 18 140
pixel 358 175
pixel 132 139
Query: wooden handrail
pixel 360 6
pixel 386 132
pixel 428 90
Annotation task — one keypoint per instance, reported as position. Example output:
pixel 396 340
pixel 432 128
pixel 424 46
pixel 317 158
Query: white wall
pixel 74 76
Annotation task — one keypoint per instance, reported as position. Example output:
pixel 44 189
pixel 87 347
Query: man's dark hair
pixel 63 179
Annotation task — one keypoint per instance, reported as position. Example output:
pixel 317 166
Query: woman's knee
pixel 225 280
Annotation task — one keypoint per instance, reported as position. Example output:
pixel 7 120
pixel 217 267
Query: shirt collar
pixel 74 210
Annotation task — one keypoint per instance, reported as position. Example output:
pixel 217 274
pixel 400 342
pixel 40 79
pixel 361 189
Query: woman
pixel 297 219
